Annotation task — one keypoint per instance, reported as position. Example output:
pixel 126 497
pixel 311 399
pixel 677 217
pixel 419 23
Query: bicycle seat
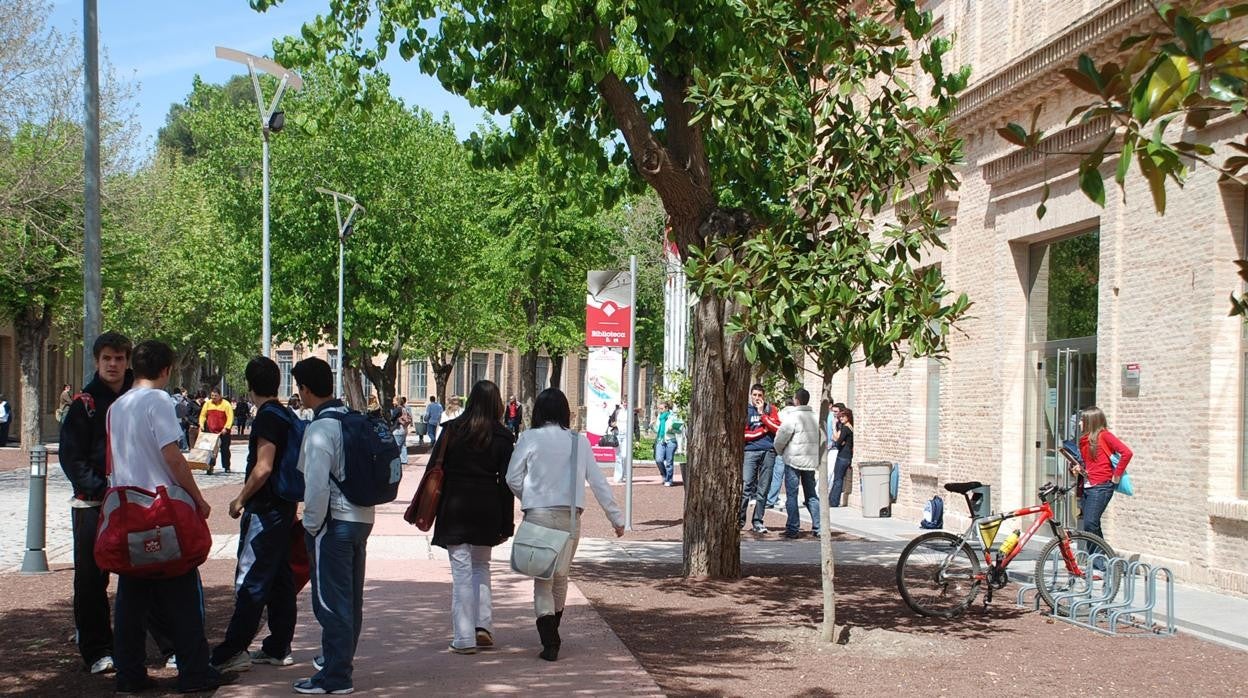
pixel 963 487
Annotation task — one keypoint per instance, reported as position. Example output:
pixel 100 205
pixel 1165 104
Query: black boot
pixel 558 619
pixel 548 630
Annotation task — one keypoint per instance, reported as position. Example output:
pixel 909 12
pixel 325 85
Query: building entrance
pixel 1062 321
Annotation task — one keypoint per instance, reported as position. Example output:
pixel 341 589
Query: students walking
pixel 217 417
pixel 475 512
pixel 1099 446
pixel 539 476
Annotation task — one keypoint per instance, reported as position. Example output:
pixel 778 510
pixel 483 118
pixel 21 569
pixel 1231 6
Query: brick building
pixel 59 364
pixel 1117 307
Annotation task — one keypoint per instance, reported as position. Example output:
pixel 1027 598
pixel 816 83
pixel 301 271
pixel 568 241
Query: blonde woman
pixel 539 476
pixel 454 408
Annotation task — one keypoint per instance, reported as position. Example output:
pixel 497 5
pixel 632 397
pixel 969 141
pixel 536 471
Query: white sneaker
pixel 239 662
pixel 103 665
pixel 259 657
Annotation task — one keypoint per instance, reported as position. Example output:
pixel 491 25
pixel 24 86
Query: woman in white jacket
pixel 538 474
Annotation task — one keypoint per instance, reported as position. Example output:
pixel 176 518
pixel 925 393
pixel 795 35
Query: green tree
pixel 1188 69
pixel 834 277
pixel 635 74
pixel 41 179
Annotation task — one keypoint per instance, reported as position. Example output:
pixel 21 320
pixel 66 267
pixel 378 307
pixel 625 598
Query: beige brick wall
pixel 1162 302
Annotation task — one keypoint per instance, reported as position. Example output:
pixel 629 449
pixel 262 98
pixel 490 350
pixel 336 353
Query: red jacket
pixel 761 426
pixel 1099 469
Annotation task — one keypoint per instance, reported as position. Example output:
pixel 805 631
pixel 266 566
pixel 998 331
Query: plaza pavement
pixel 403 647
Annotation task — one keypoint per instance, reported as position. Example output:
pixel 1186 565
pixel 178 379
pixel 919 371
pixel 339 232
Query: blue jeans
pixel 337 555
pixel 1093 504
pixel 777 479
pixel 262 580
pixel 792 476
pixel 664 457
pixel 756 471
pixel 838 483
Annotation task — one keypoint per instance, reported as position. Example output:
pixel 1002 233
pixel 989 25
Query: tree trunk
pixel 442 369
pixel 712 537
pixel 31 329
pixel 353 391
pixel 556 370
pixel 384 378
pixel 827 564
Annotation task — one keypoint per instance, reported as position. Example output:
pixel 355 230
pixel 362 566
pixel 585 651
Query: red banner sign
pixel 607 312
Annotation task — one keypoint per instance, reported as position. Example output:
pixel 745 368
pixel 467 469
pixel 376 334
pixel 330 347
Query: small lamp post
pixel 36 559
pixel 344 231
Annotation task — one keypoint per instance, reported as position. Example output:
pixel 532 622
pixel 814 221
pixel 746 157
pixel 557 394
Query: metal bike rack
pixel 1116 604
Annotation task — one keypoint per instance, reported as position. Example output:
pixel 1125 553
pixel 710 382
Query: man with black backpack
pixel 267 512
pixel 350 463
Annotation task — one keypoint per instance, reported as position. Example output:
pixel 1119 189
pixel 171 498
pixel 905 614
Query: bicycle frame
pixel 1045 512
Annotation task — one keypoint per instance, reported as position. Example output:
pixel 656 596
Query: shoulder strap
pixel 435 463
pixel 576 441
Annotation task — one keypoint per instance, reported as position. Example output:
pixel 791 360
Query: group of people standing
pixel 784 446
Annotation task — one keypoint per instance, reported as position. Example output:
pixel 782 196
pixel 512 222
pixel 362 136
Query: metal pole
pixel 631 367
pixel 36 558
pixel 341 267
pixel 267 339
pixel 91 188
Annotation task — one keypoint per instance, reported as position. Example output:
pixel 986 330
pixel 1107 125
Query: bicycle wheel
pixel 1057 571
pixel 938 575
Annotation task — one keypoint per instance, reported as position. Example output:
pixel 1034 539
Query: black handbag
pixel 609 440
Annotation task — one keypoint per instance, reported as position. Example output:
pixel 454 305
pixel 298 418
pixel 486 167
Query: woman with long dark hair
pixel 540 476
pixel 843 437
pixel 475 512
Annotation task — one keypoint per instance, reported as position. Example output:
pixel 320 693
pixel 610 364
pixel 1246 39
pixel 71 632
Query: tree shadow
pixel 689 630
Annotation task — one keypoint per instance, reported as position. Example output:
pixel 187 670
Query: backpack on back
pixel 933 513
pixel 371 459
pixel 286 478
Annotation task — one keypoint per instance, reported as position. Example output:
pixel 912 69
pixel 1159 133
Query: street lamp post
pixel 344 231
pixel 271 120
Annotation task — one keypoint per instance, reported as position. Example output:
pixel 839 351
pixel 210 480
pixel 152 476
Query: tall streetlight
pixel 344 231
pixel 271 120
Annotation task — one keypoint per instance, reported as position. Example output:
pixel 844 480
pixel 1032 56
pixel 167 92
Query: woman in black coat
pixel 475 512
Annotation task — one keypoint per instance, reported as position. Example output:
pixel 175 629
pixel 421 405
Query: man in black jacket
pixel 82 457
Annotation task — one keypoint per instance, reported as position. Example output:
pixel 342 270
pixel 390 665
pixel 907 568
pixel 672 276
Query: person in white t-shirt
pixel 143 433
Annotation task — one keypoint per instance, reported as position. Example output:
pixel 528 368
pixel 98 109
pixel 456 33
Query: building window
pixel 543 373
pixel 932 451
pixel 580 383
pixel 285 362
pixel 417 379
pixel 332 355
pixel 480 364
pixel 498 371
pixel 459 377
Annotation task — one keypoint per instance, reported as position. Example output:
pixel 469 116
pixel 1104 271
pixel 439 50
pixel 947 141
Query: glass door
pixel 1062 299
pixel 1068 383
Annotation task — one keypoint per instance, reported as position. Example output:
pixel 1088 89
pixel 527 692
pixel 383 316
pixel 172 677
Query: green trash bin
pixel 875 478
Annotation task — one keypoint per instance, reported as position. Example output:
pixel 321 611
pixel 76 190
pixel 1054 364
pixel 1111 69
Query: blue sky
pixel 161 45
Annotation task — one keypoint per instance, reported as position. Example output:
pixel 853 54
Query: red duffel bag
pixel 156 535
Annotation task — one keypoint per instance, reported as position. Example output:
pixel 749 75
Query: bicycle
pixel 939 574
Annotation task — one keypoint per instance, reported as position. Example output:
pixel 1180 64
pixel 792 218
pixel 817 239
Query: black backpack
pixel 371 467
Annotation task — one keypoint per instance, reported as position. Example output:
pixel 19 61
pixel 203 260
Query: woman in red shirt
pixel 1098 446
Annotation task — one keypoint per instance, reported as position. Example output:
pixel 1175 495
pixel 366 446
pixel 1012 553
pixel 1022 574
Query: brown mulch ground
pixel 759 635
pixel 39 656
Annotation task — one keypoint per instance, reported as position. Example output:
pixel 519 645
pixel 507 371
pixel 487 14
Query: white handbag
pixel 535 549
